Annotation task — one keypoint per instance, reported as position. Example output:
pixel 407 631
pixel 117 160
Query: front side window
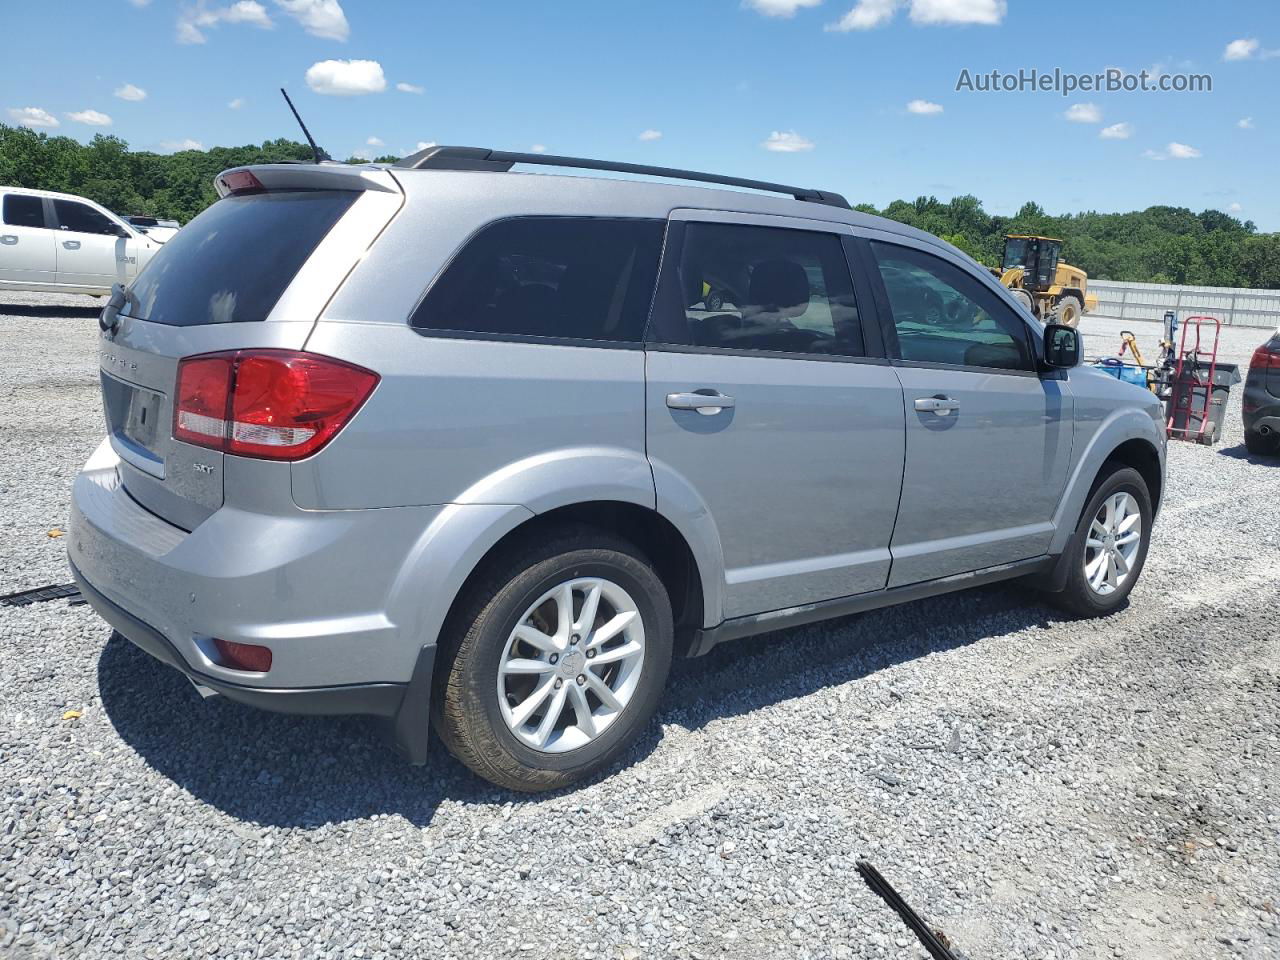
pixel 80 218
pixel 21 210
pixel 765 288
pixel 942 315
pixel 579 278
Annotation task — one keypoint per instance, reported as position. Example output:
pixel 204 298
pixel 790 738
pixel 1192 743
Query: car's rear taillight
pixel 1266 357
pixel 270 404
pixel 252 657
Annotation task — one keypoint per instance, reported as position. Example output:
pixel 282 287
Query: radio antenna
pixel 316 151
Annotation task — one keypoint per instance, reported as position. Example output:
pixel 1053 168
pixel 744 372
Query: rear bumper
pixel 379 699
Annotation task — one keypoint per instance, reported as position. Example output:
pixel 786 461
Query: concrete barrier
pixel 1240 307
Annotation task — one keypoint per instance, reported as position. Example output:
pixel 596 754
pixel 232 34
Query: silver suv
pixel 480 451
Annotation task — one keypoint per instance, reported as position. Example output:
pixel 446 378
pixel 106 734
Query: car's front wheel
pixel 1110 546
pixel 556 661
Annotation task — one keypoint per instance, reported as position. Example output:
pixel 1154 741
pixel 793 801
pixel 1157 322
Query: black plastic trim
pixel 480 158
pixel 379 699
pixel 708 638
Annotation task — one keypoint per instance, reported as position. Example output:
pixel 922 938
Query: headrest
pixel 779 284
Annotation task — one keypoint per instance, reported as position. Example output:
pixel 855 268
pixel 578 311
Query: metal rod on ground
pixel 882 888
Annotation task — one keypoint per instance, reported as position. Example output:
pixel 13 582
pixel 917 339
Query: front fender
pixel 1119 426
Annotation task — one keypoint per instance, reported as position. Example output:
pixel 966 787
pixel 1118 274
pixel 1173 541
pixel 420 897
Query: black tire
pixel 1078 597
pixel 465 707
pixel 1261 446
pixel 1068 311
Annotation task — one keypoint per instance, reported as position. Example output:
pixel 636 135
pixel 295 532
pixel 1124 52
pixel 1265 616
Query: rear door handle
pixel 8 239
pixel 942 406
pixel 708 404
pixel 71 244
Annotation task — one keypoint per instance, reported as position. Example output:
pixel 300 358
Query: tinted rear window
pixel 22 210
pixel 232 263
pixel 576 278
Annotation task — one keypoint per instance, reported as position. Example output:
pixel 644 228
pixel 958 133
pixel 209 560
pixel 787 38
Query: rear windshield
pixel 232 263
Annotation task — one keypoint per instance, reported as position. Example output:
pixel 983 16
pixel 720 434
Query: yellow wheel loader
pixel 1050 289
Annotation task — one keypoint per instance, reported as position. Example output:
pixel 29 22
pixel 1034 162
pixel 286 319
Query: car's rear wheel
pixel 556 661
pixel 1109 548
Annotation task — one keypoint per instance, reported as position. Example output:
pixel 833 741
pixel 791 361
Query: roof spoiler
pixel 500 161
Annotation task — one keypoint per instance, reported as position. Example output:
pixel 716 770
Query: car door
pixel 988 440
pixel 773 416
pixel 26 241
pixel 90 251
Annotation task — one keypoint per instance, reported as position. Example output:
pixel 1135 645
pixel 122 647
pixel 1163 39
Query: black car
pixel 1262 399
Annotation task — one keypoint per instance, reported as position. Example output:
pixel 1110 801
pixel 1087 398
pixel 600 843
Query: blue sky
pixel 721 81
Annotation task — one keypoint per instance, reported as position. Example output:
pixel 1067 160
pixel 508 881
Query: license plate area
pixel 135 417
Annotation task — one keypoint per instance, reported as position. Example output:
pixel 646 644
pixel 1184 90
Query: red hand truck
pixel 1191 400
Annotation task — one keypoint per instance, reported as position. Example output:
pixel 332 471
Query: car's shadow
pixel 1241 452
pixel 304 772
pixel 47 311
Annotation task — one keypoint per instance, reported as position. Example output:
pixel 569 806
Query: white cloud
pixel 236 104
pixel 346 78
pixel 174 146
pixel 409 87
pixel 425 145
pixel 538 148
pixel 923 107
pixel 868 14
pixel 139 3
pixel 194 20
pixel 779 8
pixel 32 117
pixel 375 142
pixel 987 12
pixel 92 117
pixel 1117 131
pixel 1084 113
pixel 1245 123
pixel 787 141
pixel 1234 208
pixel 320 18
pixel 649 135
pixel 1174 151
pixel 130 92
pixel 1241 49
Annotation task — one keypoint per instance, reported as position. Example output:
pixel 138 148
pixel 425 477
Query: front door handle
pixel 8 239
pixel 942 406
pixel 708 404
pixel 71 244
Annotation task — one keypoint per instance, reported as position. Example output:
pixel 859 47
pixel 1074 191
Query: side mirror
pixel 1062 346
pixel 122 232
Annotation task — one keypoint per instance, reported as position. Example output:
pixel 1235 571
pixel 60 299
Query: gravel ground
pixel 1038 787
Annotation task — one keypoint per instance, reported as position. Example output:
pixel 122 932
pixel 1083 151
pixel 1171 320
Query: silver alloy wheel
pixel 1112 544
pixel 571 665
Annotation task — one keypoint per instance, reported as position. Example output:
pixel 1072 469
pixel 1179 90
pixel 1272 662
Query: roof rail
pixel 480 158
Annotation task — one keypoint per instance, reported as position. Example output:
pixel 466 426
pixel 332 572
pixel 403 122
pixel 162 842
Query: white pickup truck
pixel 58 243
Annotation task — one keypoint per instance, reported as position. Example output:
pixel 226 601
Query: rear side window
pixel 577 278
pixel 81 218
pixel 765 288
pixel 21 210
pixel 232 263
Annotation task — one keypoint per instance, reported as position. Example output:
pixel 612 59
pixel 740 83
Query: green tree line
pixel 1156 245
